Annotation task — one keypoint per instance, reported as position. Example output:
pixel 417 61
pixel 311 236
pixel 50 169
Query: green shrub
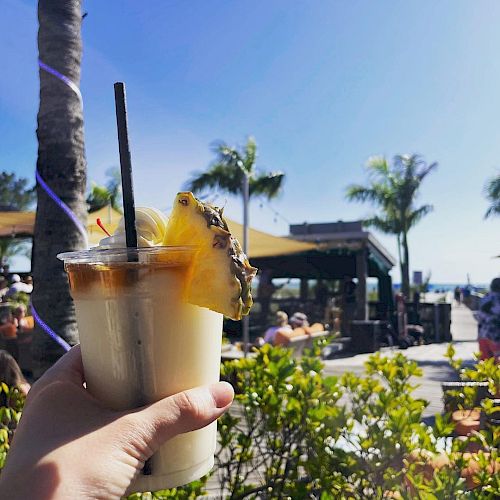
pixel 10 413
pixel 294 433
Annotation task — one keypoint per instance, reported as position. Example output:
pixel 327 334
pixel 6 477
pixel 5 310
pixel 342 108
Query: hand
pixel 69 446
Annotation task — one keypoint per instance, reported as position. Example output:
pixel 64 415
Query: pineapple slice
pixel 221 274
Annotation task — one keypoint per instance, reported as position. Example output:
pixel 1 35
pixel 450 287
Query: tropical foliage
pixel 109 194
pixel 393 188
pixel 11 405
pixel 230 166
pixel 492 193
pixel 15 193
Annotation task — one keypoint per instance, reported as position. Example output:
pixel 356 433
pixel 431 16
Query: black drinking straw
pixel 129 213
pixel 125 166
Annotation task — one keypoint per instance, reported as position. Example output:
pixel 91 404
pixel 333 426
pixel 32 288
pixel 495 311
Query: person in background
pixel 281 323
pixel 489 323
pixel 18 286
pixel 298 320
pixel 8 333
pixel 348 304
pixel 4 287
pixel 409 332
pixel 19 315
pixel 6 271
pixel 321 293
pixel 11 374
pixel 457 294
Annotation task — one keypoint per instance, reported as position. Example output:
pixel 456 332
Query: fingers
pixel 68 368
pixel 187 411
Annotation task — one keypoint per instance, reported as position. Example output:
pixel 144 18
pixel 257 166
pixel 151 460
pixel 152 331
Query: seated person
pixel 8 333
pixel 19 315
pixel 281 323
pixel 11 374
pixel 19 286
pixel 4 287
pixel 299 320
pixel 300 327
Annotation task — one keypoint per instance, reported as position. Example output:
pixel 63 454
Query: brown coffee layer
pixel 118 278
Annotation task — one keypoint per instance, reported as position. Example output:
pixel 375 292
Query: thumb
pixel 183 412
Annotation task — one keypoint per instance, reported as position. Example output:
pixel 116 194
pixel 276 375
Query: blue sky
pixel 321 85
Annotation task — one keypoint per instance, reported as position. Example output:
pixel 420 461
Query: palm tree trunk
pixel 61 163
pixel 400 259
pixel 405 270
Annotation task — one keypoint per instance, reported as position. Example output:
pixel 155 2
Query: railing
pixel 472 301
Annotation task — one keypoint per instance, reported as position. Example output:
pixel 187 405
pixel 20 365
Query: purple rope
pixel 62 206
pixel 82 230
pixel 72 85
pixel 49 330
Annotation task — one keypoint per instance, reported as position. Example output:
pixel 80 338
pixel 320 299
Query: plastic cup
pixel 141 341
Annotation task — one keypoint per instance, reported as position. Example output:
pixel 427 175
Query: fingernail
pixel 222 394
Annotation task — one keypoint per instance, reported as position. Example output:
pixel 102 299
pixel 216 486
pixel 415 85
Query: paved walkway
pixel 429 357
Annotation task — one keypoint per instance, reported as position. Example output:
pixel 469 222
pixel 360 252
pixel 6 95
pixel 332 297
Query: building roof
pixel 343 235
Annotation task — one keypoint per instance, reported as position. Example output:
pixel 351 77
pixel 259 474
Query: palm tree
pixel 227 173
pixel 61 164
pixel 492 193
pixel 393 188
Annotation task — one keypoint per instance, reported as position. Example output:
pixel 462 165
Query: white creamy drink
pixel 142 342
pixel 150 320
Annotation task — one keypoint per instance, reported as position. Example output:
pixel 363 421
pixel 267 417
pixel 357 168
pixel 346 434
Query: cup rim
pixel 96 255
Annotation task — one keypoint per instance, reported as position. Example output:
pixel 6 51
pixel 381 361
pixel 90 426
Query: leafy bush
pixel 190 491
pixel 285 417
pixel 11 405
pixel 294 433
pixel 19 298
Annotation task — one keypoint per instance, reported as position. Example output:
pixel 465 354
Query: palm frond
pixel 386 225
pixel 416 215
pixel 377 194
pixel 267 184
pixel 493 209
pixel 378 166
pixel 250 155
pixel 426 170
pixel 492 194
pixel 220 177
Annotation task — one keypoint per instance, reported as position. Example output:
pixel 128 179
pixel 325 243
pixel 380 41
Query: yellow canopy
pixel 261 244
pixel 266 245
pixel 17 223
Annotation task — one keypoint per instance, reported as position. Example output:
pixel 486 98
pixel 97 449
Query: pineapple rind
pixel 221 275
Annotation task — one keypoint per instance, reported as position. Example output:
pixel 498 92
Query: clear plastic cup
pixel 141 341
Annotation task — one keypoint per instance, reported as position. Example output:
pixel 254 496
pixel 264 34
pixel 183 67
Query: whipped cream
pixel 151 225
